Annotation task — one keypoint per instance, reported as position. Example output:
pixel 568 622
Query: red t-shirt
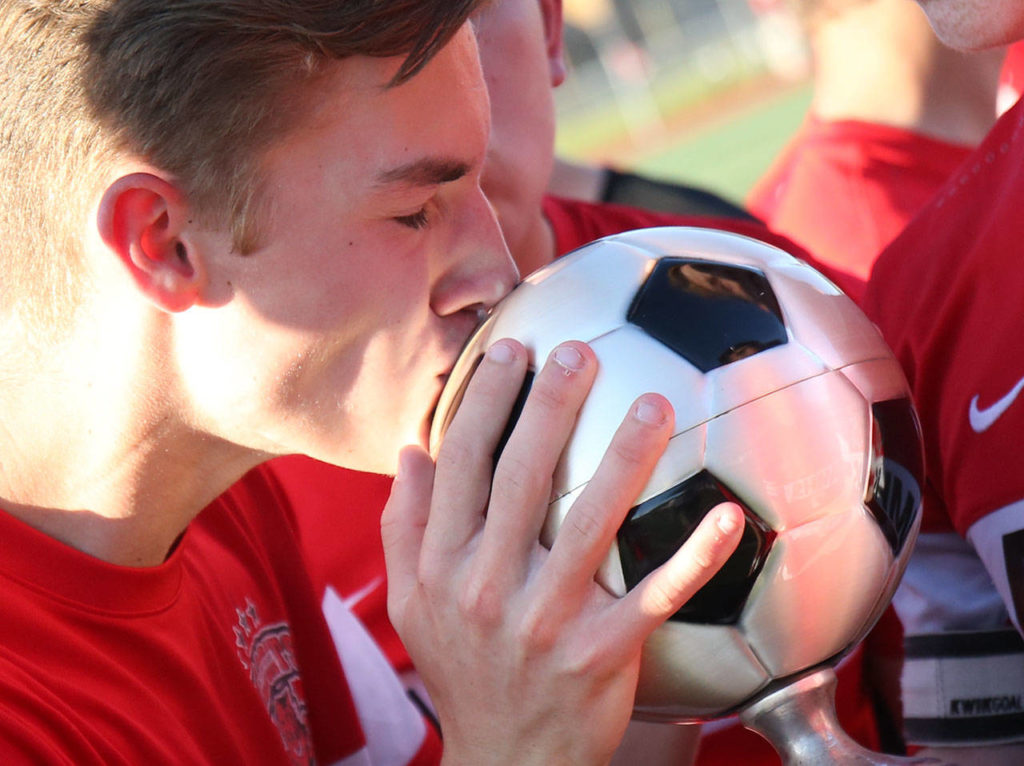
pixel 219 655
pixel 843 189
pixel 947 295
pixel 339 511
pixel 1011 76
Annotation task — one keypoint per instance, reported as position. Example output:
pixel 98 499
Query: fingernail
pixel 646 412
pixel 501 352
pixel 569 358
pixel 728 521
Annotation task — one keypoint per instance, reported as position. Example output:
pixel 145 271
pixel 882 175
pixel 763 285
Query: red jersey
pixel 218 655
pixel 1011 77
pixel 946 295
pixel 339 511
pixel 843 189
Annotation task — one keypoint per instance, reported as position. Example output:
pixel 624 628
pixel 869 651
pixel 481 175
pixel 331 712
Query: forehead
pixel 353 115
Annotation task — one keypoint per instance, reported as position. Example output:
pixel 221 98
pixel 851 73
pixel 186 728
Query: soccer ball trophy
pixel 787 402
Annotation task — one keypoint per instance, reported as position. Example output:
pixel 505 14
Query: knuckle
pixel 515 478
pixel 586 520
pixel 537 633
pixel 704 559
pixel 455 453
pixel 429 578
pixel 481 602
pixel 630 452
pixel 590 662
pixel 550 393
pixel 661 598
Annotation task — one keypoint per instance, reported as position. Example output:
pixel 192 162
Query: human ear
pixel 141 218
pixel 551 10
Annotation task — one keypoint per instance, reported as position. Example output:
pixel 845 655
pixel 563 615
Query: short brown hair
pixel 198 88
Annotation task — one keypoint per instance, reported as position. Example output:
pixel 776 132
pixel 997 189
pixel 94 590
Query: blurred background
pixel 700 91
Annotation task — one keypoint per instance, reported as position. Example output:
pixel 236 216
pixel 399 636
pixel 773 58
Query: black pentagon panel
pixel 897 475
pixel 654 530
pixel 709 313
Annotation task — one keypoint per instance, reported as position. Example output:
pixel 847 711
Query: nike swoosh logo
pixel 982 419
pixel 354 598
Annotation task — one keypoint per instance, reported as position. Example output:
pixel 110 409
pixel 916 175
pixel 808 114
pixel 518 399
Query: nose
pixel 478 270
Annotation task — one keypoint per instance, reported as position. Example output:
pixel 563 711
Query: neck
pixel 96 453
pixel 880 62
pixel 536 248
pixel 577 180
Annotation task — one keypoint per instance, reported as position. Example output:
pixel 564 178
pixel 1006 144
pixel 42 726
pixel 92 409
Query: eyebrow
pixel 425 172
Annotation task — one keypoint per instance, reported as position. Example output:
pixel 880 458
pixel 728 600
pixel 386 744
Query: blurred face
pixel 976 24
pixel 336 336
pixel 521 55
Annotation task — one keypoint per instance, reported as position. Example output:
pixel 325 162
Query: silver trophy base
pixel 799 720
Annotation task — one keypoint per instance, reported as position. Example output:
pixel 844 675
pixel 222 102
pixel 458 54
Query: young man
pixel 232 230
pixel 894 113
pixel 946 295
pixel 520 49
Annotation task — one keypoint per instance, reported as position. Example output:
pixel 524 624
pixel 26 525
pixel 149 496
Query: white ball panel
pixel 582 298
pixel 706 244
pixel 695 671
pixel 878 380
pixel 813 463
pixel 609 574
pixel 652 367
pixel 683 458
pixel 802 272
pixel 736 384
pixel 823 319
pixel 816 592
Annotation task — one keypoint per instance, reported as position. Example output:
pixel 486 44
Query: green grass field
pixel 727 153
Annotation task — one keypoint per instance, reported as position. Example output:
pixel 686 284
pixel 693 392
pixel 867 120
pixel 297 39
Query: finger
pixel 589 528
pixel 521 490
pixel 663 592
pixel 402 525
pixel 465 460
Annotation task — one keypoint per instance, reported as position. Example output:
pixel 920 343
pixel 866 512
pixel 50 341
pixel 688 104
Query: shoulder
pixel 943 295
pixel 577 223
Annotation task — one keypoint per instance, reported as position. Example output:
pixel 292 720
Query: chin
pixel 968 28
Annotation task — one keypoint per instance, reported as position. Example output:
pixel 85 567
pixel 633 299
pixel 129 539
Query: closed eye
pixel 415 221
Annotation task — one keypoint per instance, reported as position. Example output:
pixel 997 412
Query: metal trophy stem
pixel 800 722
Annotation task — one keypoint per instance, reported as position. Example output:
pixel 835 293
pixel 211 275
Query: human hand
pixel 527 659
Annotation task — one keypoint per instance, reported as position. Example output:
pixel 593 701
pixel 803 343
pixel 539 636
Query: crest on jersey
pixel 265 651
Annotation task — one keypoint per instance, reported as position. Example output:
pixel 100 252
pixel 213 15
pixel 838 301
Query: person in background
pixel 238 229
pixel 894 112
pixel 604 183
pixel 946 295
pixel 521 54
